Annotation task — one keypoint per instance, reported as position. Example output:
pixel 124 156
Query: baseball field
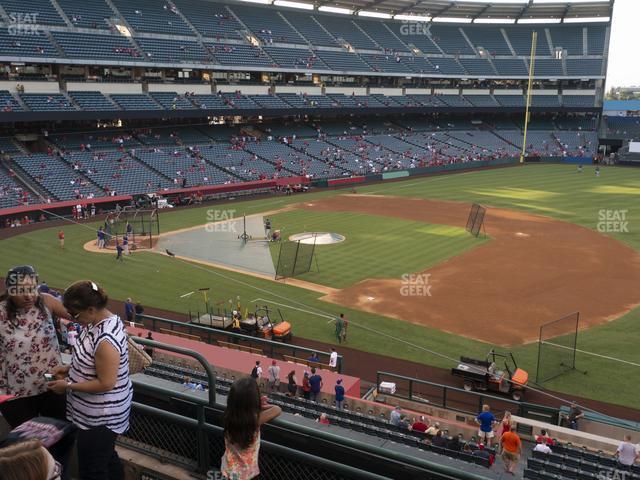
pixel 410 278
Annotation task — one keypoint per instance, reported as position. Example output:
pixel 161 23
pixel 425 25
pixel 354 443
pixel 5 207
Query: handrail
pixel 480 395
pixel 239 336
pixel 303 457
pixel 211 374
pixel 373 450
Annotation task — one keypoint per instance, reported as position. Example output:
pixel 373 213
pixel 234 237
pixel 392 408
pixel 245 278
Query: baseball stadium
pixel 372 239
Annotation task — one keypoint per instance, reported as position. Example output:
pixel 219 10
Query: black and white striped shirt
pixel 110 409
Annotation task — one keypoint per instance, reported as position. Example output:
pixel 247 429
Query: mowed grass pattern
pixel 552 190
pixel 374 247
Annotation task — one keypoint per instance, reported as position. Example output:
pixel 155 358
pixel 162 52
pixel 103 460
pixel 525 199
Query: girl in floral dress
pixel 245 413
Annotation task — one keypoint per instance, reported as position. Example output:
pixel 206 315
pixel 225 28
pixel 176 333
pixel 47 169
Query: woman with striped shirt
pixel 97 382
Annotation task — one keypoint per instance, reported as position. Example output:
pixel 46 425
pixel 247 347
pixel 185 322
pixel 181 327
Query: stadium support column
pixel 532 62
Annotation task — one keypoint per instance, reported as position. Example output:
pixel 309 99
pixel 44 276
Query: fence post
pixel 410 389
pixel 203 447
pixel 444 397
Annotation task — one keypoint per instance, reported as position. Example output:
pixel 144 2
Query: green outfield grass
pixel 552 190
pixel 374 247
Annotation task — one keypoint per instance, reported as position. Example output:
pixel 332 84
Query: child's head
pixel 243 410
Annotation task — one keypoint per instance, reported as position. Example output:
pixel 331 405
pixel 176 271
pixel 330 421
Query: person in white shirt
pixel 542 447
pixel 333 359
pixel 627 452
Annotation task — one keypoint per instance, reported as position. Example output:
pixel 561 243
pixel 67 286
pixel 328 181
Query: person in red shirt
pixel 420 425
pixel 511 450
pixel 61 238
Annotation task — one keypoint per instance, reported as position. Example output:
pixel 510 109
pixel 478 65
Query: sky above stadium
pixel 624 59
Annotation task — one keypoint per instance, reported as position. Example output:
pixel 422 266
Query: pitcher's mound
pixel 319 238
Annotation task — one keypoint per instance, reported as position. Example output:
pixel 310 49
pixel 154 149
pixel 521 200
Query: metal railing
pixel 211 374
pixel 210 335
pixel 199 446
pixel 350 458
pixel 461 400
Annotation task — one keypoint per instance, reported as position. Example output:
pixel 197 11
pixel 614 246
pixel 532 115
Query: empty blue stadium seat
pixel 491 39
pixel 31 12
pixel 344 28
pixel 567 37
pixel 520 38
pixel 584 66
pixel 172 101
pixel 267 24
pixel 16 45
pixel 173 51
pixel 108 46
pixel 152 16
pixel 135 101
pixel 87 14
pixel 92 101
pixel 210 19
pixel 450 40
pixel 478 66
pixel 343 61
pixel 510 66
pixel 310 29
pixel 39 102
pixel 8 103
pixel 235 54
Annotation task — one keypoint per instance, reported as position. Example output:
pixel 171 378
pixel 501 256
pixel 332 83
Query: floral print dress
pixel 28 349
pixel 241 464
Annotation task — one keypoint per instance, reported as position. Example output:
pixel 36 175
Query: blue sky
pixel 624 49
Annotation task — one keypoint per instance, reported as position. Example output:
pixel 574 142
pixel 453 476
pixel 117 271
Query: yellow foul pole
pixel 532 62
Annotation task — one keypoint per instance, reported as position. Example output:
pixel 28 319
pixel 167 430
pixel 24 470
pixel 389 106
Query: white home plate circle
pixel 319 238
pixel 520 234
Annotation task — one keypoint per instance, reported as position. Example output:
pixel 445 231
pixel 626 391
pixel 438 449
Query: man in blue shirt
pixel 486 420
pixel 316 385
pixel 128 310
pixel 314 357
pixel 339 394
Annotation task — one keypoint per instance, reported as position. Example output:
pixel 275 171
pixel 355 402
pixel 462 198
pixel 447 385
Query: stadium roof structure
pixel 479 10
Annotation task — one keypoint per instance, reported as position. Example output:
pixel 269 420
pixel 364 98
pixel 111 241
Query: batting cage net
pixel 476 219
pixel 294 259
pixel 141 227
pixel 557 347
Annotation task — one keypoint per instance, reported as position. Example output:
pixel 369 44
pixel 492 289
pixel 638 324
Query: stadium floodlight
pixel 344 11
pixel 539 20
pixel 586 19
pixel 413 18
pixel 366 13
pixel 287 3
pixel 452 20
pixel 494 20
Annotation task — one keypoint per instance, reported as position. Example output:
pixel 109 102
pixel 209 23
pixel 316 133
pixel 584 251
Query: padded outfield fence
pixel 557 345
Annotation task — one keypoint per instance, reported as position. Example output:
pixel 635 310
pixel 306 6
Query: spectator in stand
pixel 246 413
pixel 28 460
pixel 541 446
pixel 575 414
pixel 627 453
pixel 306 386
pixel 128 310
pixel 439 440
pixel 395 416
pixel 314 358
pixel 273 377
pixel 505 424
pixel 333 358
pixel 433 430
pixel 97 382
pixel 28 348
pixel 315 382
pixel 419 425
pixel 256 372
pixel 511 450
pixel 339 394
pixel 292 387
pixel 486 421
pixel 482 453
pixel 149 350
pixel 323 420
pixel 544 438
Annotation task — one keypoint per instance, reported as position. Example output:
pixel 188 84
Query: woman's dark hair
pixel 243 411
pixel 14 278
pixel 83 295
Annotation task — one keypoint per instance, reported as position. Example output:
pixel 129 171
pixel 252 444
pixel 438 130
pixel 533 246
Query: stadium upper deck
pixel 232 36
